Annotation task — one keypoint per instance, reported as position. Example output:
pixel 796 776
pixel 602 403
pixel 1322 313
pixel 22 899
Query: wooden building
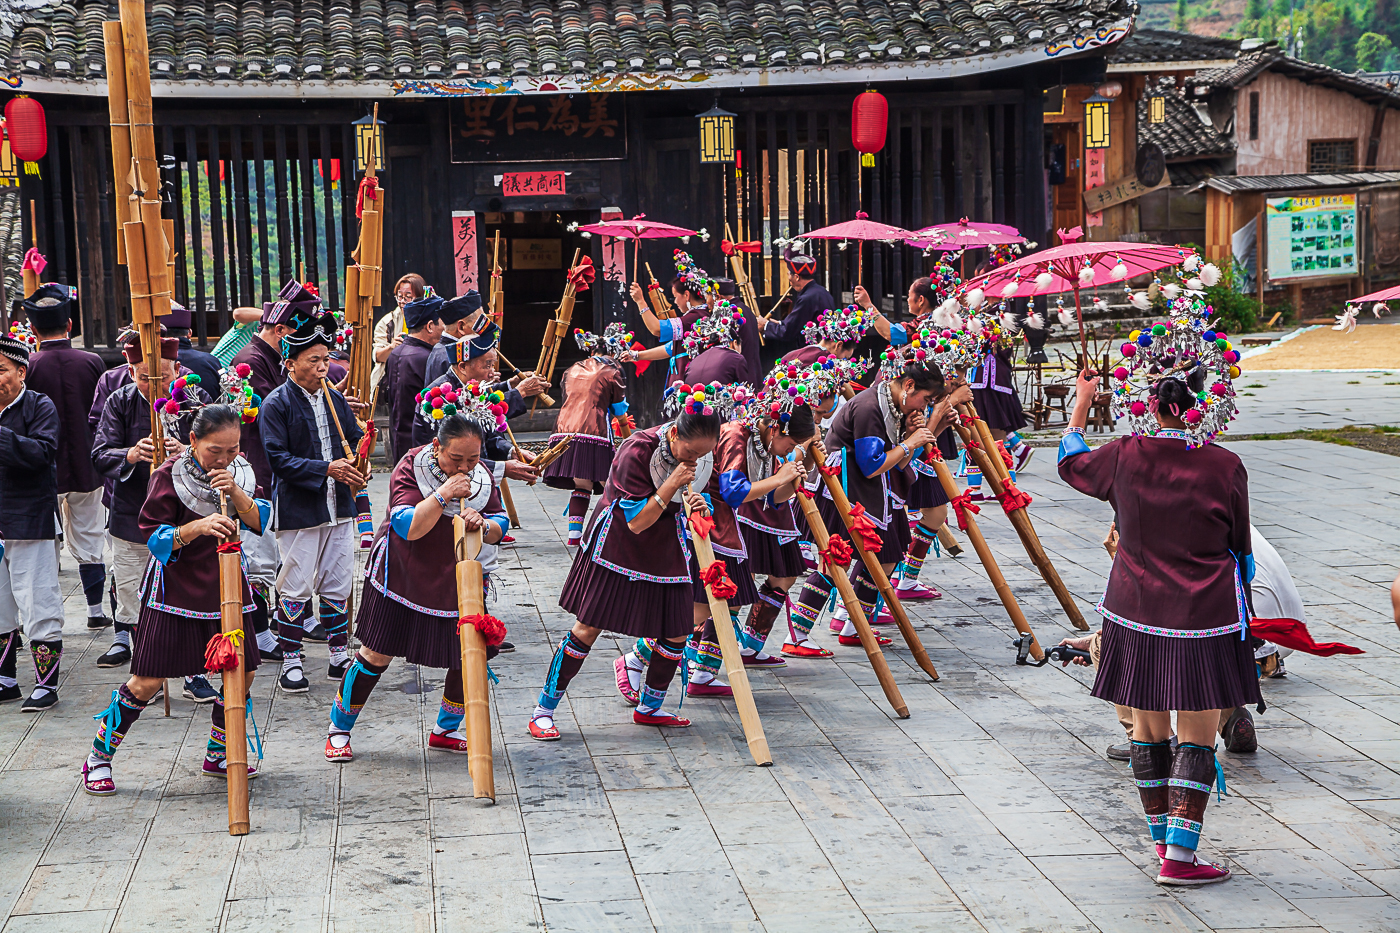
pixel 530 118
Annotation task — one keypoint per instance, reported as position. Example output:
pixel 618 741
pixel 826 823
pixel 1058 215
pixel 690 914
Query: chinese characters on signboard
pixel 1311 236
pixel 464 250
pixel 532 183
pixel 1094 176
pixel 527 253
pixel 533 128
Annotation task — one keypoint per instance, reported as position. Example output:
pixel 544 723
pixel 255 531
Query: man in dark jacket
pixel 405 369
pixel 459 318
pixel 177 324
pixel 310 434
pixel 68 376
pixel 30 597
pixel 810 298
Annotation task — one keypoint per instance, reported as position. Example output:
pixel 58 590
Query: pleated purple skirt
pixel 1001 410
pixel 1157 672
pixel 767 555
pixel 738 571
pixel 389 627
pixel 606 599
pixel 895 538
pixel 587 458
pixel 926 493
pixel 168 645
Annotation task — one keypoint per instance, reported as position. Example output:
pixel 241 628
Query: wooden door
pixel 1068 197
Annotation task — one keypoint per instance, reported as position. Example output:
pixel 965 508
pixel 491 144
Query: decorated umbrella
pixel 1347 319
pixel 965 234
pixel 860 230
pixel 638 229
pixel 1072 266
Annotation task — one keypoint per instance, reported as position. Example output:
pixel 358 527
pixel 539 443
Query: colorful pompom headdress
pixel 792 384
pixel 846 325
pixel 184 399
pixel 719 328
pixel 951 352
pixel 712 399
pixel 695 279
pixel 484 405
pixel 22 332
pixel 1183 347
pixel 614 339
pixel 237 391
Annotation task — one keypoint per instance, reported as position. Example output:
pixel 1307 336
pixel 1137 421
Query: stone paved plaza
pixel 990 808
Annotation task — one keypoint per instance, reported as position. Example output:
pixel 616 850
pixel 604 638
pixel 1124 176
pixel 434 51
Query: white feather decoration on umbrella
pixel 975 298
pixel 1086 276
pixel 1008 323
pixel 1141 301
pixel 1191 263
pixel 1066 317
pixel 1380 308
pixel 1011 289
pixel 1034 321
pixel 1210 275
pixel 1194 284
pixel 1100 304
pixel 1346 321
pixel 974 326
pixel 1118 273
pixel 1043 280
pixel 1173 291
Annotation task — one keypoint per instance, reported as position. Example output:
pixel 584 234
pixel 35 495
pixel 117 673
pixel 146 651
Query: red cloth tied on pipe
pixel 963 506
pixel 730 248
pixel 492 629
pixel 582 275
pixel 967 420
pixel 830 470
pixel 702 525
pixel 1005 457
pixel 1290 633
pixel 369 188
pixel 717 579
pixel 367 442
pixel 1012 498
pixel 862 525
pixel 804 491
pixel 221 654
pixel 229 547
pixel 34 261
pixel 837 553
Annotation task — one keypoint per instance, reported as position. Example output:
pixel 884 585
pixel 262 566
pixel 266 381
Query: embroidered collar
pixel 192 482
pixel 430 476
pixel 1178 433
pixel 758 458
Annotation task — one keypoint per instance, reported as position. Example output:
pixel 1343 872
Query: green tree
pixel 1254 10
pixel 1372 50
pixel 1180 25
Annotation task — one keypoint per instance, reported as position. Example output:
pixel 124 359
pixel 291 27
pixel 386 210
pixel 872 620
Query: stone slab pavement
pixel 991 808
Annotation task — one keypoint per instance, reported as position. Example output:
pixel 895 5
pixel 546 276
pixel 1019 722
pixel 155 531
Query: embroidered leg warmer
pixel 816 592
pixel 1152 765
pixel 567 662
pixel 337 625
pixel 355 687
pixel 661 670
pixel 113 723
pixel 703 652
pixel 577 511
pixel 1193 771
pixel 289 630
pixel 453 708
pixel 47 655
pixel 9 659
pixel 762 616
pixel 908 569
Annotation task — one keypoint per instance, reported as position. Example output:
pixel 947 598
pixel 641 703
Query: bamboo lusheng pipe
pixel 877 572
pixel 362 463
pixel 552 454
pixel 557 327
pixel 868 641
pixel 743 282
pixel 544 396
pixel 137 59
pixel 30 277
pixel 117 116
pixel 950 543
pixel 729 650
pixel 656 297
pixel 989 561
pixel 1022 523
pixel 235 683
pixel 471 601
pixel 497 302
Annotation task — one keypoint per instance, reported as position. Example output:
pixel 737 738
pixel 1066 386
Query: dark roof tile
pixel 1182 134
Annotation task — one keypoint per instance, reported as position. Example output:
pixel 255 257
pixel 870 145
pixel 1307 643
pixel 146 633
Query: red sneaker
pixel 763 660
pixel 338 755
pixel 507 539
pixel 659 718
pixel 1191 874
pixel 712 689
pixel 99 786
pixel 447 744
pixel 624 685
pixel 544 733
pixel 853 641
pixel 807 649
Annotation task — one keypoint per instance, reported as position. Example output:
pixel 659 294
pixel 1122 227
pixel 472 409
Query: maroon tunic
pixel 731 454
pixel 591 387
pixel 718 364
pixel 807 355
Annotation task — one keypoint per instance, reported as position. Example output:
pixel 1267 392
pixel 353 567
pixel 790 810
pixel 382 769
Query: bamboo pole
pixel 363 277
pixel 510 503
pixel 877 572
pixel 235 685
pixel 868 641
pixel 120 125
pixel 544 396
pixel 743 282
pixel 656 297
pixel 989 562
pixel 950 543
pixel 498 292
pixel 556 329
pixel 475 689
pixel 1022 523
pixel 30 277
pixel 729 650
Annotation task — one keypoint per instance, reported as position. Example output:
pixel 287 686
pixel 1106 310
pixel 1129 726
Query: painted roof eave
pixel 680 80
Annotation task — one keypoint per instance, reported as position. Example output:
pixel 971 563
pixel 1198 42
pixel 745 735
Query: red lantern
pixel 334 169
pixel 27 128
pixel 870 117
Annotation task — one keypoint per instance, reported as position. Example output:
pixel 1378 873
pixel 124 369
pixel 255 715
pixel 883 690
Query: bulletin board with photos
pixel 1312 237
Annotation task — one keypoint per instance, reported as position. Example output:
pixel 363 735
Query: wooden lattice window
pixel 1326 156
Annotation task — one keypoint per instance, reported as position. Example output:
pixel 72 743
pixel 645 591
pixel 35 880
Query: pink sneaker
pixel 219 769
pixel 914 590
pixel 1191 874
pixel 447 743
pixel 1022 455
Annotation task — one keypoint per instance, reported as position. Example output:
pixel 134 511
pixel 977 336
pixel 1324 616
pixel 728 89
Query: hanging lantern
pixel 1096 131
pixel 27 128
pixel 369 143
pixel 870 117
pixel 1157 106
pixel 716 135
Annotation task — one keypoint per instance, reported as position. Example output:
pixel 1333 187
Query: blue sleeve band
pixel 161 543
pixel 1072 445
pixel 673 350
pixel 667 331
pixel 502 523
pixel 870 454
pixel 264 513
pixel 898 335
pixel 401 519
pixel 734 488
pixel 631 508
pixel 618 409
pixel 708 504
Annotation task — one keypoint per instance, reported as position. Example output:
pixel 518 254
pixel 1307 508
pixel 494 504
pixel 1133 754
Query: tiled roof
pixel 1271 58
pixel 1165 45
pixel 11 240
pixel 350 40
pixel 1182 134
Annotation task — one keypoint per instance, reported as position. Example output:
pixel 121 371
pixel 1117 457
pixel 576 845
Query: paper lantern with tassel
pixel 27 129
pixel 870 116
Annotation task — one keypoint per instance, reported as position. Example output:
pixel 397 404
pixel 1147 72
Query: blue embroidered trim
pixel 1154 782
pixel 634 574
pixel 161 543
pixel 631 508
pixel 1166 632
pixel 581 438
pixel 1156 819
pixel 618 409
pixel 1182 782
pixel 784 535
pixel 157 580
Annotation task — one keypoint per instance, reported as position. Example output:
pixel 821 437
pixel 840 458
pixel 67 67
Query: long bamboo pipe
pixel 471 600
pixel 235 684
pixel 877 572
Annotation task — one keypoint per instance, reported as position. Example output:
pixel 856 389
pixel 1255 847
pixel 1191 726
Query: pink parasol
pixel 862 228
pixel 1072 266
pixel 965 234
pixel 638 229
pixel 1385 294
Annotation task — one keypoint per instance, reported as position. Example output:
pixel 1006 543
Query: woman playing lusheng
pixel 632 574
pixel 1176 607
pixel 180 593
pixel 409 608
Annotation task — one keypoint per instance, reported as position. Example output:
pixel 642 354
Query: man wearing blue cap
pixel 461 317
pixel 404 371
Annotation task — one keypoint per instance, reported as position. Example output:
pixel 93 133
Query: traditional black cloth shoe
pixel 115 656
pixel 316 634
pixel 99 622
pixel 336 672
pixel 1123 752
pixel 10 694
pixel 505 647
pixel 1239 732
pixel 198 689
pixel 298 684
pixel 37 704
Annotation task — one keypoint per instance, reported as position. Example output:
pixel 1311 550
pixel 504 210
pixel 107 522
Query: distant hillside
pixel 1349 35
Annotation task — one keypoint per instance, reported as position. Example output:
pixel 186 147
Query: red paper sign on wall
pixel 527 183
pixel 464 250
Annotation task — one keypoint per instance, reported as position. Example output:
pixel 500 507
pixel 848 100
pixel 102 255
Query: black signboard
pixel 537 128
